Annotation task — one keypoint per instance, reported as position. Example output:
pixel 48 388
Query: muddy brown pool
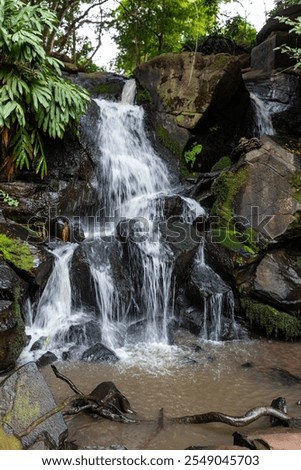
pixel 226 377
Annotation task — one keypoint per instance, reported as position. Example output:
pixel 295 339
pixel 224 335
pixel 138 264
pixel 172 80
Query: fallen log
pixel 249 417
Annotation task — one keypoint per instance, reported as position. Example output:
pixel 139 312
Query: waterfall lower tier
pixel 262 117
pixel 117 289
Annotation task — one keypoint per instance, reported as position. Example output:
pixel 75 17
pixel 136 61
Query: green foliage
pixel 244 243
pixel 239 31
pixel 243 240
pixel 225 188
pixel 34 98
pixel 223 163
pixel 74 18
pixel 274 323
pixel 16 252
pixel 293 52
pixel 281 4
pixel 10 201
pixel 145 29
pixel 191 155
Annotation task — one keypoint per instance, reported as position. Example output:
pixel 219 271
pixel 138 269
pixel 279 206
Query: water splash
pixel 129 92
pixel 263 122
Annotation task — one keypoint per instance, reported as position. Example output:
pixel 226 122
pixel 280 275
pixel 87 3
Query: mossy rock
pixel 272 322
pixel 16 252
pixel 223 164
pixel 225 188
pixel 9 441
pixel 12 332
pixel 295 181
pixel 227 231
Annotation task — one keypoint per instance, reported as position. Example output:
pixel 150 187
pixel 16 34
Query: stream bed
pixel 228 377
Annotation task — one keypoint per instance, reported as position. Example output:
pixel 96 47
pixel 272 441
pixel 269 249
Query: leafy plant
pixel 8 199
pixel 190 155
pixel 34 98
pixel 293 52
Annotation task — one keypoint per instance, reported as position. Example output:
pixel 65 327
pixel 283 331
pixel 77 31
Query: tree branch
pixel 216 417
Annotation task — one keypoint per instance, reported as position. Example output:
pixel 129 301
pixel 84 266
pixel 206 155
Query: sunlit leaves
pixel 34 98
pixel 145 29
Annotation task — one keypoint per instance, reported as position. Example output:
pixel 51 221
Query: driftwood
pixel 237 421
pixel 109 403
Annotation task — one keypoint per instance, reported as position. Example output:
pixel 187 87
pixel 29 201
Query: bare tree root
pixel 237 421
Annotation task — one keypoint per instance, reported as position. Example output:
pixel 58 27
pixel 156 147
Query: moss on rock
pixel 274 323
pixel 225 188
pixel 295 181
pixel 223 164
pixel 16 253
pixel 234 237
pixel 9 441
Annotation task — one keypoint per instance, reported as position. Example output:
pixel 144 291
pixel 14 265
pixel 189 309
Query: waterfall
pixel 218 315
pixel 128 265
pixel 129 92
pixel 263 123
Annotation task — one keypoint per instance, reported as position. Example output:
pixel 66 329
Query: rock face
pixel 278 279
pixel 192 93
pixel 12 334
pixel 254 236
pixel 269 201
pixel 25 397
pixel 12 328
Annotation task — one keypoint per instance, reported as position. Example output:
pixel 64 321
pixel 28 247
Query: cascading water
pixel 133 186
pixel 263 122
pixel 219 318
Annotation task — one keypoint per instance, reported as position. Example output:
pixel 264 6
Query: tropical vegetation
pixel 35 100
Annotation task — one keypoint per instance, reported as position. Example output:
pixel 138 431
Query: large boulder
pixel 24 397
pixel 277 279
pixel 269 200
pixel 192 93
pixel 256 206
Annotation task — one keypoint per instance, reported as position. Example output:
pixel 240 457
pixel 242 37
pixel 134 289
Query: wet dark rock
pixel 9 282
pixel 279 404
pixel 99 353
pixel 247 365
pixel 70 354
pixel 173 207
pixel 100 84
pixel 65 229
pixel 12 334
pixel 285 377
pixel 39 344
pixel 172 327
pixel 183 239
pixel 86 333
pixel 274 25
pixel 277 278
pixel 47 359
pixel 106 389
pixel 82 282
pixel 203 282
pixel 24 397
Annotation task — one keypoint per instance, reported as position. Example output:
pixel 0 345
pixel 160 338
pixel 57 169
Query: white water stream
pixel 133 182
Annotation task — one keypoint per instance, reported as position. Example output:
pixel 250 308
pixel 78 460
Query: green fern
pixel 35 100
